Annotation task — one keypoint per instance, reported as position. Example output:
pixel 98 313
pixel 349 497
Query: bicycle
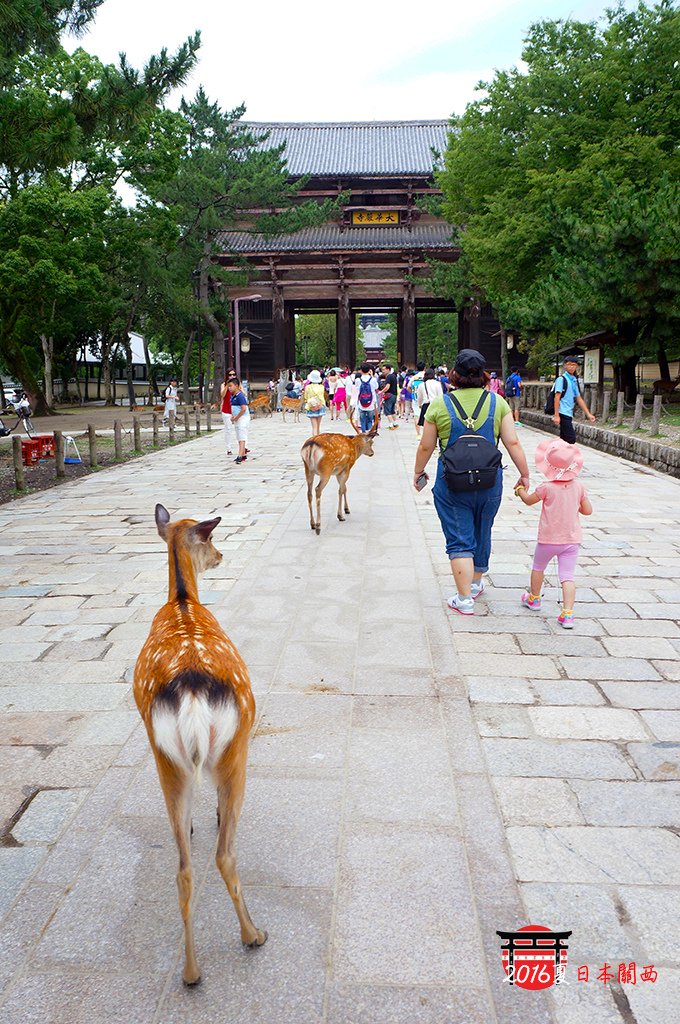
pixel 23 411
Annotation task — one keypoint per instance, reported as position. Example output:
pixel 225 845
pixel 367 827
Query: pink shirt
pixel 560 523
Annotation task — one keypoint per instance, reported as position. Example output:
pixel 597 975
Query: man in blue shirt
pixel 567 395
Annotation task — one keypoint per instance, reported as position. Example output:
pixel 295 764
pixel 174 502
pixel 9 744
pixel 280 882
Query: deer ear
pixel 162 520
pixel 204 529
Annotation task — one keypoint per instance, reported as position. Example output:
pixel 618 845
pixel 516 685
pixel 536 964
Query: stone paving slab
pixel 417 780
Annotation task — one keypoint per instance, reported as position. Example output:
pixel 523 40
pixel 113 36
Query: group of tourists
pixel 467 423
pixel 465 413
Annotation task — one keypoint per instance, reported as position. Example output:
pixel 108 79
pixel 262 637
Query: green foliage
pixel 557 173
pixel 315 339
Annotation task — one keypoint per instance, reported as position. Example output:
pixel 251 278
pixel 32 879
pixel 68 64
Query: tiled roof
pixel 380 148
pixel 329 237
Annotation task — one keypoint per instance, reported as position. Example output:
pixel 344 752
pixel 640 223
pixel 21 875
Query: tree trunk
pixel 213 326
pixel 48 358
pixel 150 370
pixel 128 370
pixel 626 379
pixel 662 359
pixel 504 356
pixel 185 367
pixel 106 363
pixel 18 366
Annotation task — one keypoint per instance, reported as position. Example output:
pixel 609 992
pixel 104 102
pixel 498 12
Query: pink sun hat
pixel 557 460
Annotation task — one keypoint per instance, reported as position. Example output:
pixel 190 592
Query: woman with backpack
pixel 469 484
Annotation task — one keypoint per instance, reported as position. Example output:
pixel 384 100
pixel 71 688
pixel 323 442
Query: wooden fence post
pixel 118 440
pixel 187 426
pixel 197 410
pixel 137 434
pixel 606 405
pixel 208 419
pixel 154 420
pixel 656 416
pixel 59 453
pixel 92 438
pixel 171 430
pixel 19 477
pixel 619 408
pixel 637 415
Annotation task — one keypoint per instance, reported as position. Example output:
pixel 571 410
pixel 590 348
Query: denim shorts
pixel 467 518
pixel 388 404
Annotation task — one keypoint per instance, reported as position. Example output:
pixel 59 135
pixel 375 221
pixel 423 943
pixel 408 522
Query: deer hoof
pixel 318 530
pixel 259 940
pixel 341 519
pixel 191 978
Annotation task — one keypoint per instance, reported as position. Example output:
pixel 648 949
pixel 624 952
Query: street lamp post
pixel 237 333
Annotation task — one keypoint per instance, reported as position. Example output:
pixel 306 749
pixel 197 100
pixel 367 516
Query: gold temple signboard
pixel 372 218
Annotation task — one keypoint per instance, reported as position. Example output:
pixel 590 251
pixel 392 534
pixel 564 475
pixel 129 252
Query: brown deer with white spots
pixel 328 455
pixel 193 693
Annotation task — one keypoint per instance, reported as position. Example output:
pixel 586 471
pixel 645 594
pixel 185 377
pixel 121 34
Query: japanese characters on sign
pixel 534 957
pixel 372 218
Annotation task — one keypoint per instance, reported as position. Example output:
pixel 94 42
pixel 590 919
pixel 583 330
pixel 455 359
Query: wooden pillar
pixel 469 327
pixel 279 321
pixel 92 439
pixel 289 337
pixel 407 331
pixel 118 440
pixel 343 332
pixel 619 408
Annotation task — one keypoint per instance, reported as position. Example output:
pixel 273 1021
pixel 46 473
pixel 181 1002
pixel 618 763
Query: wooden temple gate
pixel 373 256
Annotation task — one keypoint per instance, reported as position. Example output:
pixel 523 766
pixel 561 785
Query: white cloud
pixel 305 60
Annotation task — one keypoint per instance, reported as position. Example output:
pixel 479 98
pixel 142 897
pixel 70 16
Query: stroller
pixel 23 411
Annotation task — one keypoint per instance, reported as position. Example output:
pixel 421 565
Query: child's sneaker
pixel 531 601
pixel 476 589
pixel 464 605
pixel 566 619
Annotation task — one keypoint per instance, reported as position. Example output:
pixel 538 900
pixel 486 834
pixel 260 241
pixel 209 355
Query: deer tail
pixel 196 728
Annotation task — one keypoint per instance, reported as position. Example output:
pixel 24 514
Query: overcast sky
pixel 311 60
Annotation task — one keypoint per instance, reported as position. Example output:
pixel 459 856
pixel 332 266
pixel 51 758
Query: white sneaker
pixel 464 605
pixel 476 589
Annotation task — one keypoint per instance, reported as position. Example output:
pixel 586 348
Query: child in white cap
pixel 559 529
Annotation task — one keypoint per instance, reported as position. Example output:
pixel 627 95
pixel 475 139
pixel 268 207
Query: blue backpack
pixel 365 394
pixel 511 390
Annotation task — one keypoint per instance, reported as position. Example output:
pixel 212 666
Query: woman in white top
pixel 427 392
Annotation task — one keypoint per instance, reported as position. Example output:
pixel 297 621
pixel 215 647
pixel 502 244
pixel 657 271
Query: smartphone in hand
pixel 421 481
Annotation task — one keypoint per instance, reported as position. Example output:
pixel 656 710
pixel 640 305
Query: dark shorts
pixel 567 432
pixel 389 403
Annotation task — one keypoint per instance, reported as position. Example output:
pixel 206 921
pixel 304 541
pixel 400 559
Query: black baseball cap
pixel 469 361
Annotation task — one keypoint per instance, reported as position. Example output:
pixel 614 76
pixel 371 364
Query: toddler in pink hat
pixel 559 529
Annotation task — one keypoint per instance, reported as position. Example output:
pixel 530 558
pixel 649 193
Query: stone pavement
pixel 417 779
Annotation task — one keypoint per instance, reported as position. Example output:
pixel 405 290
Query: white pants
pixel 241 427
pixel 228 429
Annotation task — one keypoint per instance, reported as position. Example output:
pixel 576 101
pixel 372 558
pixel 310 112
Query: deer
pixel 328 455
pixel 193 693
pixel 261 402
pixel 666 387
pixel 293 405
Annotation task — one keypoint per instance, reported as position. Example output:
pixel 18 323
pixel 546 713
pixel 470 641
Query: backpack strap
pixel 469 421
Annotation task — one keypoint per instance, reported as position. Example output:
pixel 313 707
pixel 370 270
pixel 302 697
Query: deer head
pixel 190 536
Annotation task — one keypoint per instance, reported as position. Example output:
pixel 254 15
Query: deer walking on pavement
pixel 328 455
pixel 193 693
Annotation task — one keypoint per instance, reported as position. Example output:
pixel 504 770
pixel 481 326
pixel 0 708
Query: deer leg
pixel 177 787
pixel 230 798
pixel 310 480
pixel 345 478
pixel 319 491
